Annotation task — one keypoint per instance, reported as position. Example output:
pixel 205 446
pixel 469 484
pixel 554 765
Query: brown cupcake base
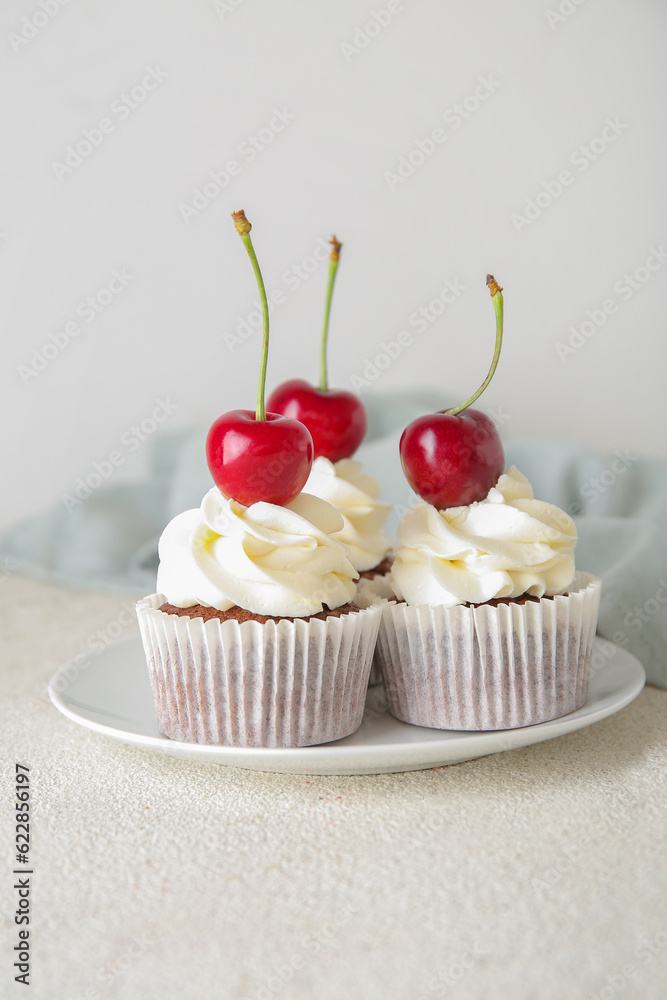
pixel 522 599
pixel 237 614
pixel 379 570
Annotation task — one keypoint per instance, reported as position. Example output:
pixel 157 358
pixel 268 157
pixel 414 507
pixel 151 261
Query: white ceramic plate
pixel 112 696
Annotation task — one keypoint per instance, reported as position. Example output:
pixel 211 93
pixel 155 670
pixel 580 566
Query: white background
pixel 356 111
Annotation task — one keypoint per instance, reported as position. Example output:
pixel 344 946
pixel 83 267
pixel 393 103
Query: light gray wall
pixel 356 86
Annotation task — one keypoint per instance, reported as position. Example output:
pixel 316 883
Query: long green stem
pixel 497 296
pixel 243 228
pixel 333 267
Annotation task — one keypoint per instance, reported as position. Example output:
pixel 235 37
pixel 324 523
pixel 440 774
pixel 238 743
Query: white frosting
pixel 355 495
pixel 271 560
pixel 506 545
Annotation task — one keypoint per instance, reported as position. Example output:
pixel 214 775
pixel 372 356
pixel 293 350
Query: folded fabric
pixel 108 541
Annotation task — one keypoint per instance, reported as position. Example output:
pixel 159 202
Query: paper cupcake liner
pixel 279 684
pixel 489 666
pixel 370 592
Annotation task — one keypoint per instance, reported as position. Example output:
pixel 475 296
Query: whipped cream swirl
pixel 355 495
pixel 271 560
pixel 506 545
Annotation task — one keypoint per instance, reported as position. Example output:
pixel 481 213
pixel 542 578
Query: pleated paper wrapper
pixel 489 667
pixel 278 684
pixel 378 588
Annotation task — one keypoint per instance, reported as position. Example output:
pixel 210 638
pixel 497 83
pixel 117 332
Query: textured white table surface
pixel 536 873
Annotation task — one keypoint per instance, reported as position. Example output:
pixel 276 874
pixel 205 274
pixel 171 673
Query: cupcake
pixel 493 628
pixel 254 637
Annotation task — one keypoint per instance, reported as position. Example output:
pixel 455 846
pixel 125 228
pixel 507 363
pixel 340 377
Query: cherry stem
pixel 497 296
pixel 333 267
pixel 243 228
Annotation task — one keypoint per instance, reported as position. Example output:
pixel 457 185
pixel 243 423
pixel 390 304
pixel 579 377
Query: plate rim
pixel 325 755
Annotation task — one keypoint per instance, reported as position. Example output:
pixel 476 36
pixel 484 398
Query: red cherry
pixel 452 461
pixel 256 456
pixel 454 457
pixel 252 460
pixel 335 418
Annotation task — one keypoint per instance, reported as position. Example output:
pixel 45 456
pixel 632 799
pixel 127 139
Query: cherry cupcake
pixel 493 628
pixel 254 638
